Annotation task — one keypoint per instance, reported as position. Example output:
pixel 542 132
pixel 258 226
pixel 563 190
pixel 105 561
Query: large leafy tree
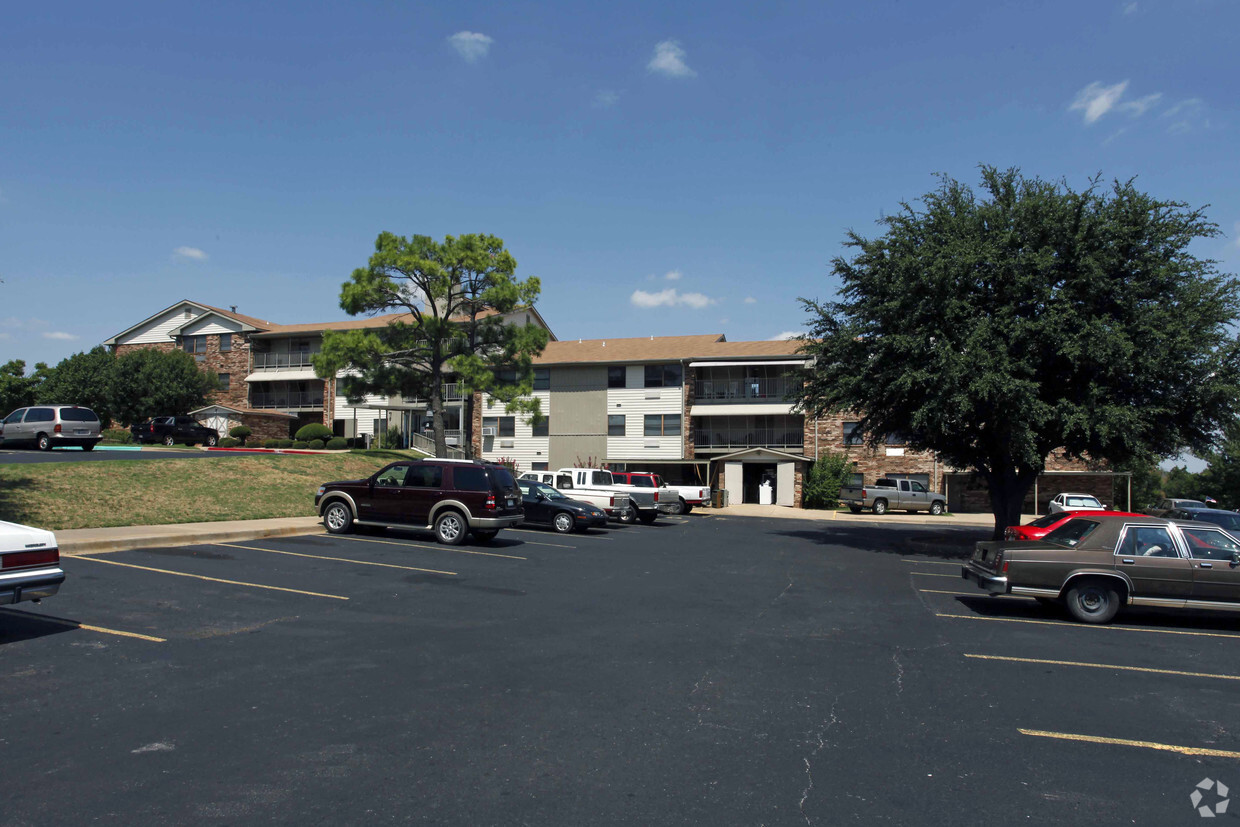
pixel 994 329
pixel 82 379
pixel 149 382
pixel 452 296
pixel 17 390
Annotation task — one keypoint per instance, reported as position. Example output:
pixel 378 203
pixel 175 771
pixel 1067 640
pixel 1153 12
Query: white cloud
pixel 606 99
pixel 1187 115
pixel 1131 8
pixel 1095 100
pixel 786 335
pixel 673 275
pixel 58 335
pixel 669 59
pixel 191 253
pixel 472 46
pixel 670 297
pixel 750 300
pixel 1140 106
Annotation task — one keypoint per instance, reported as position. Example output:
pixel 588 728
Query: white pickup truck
pixel 579 482
pixel 614 504
pixel 683 498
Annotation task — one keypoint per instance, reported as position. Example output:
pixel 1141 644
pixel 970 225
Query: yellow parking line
pixel 1107 666
pixel 212 579
pixel 336 559
pixel 420 545
pixel 1088 626
pixel 73 624
pixel 1123 742
pixel 932 562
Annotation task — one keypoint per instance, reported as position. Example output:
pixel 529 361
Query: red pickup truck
pixel 687 496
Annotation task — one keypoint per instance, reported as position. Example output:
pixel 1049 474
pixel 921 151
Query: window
pixel 392 476
pixel 615 425
pixel 78 415
pixel 855 480
pixel 1208 544
pixel 896 439
pixel 542 379
pixel 919 482
pixel 470 478
pixel 194 344
pixel 538 466
pixel 1143 541
pixel 225 342
pixel 662 425
pixel 425 476
pixel 1071 533
pixel 852 434
pixel 40 415
pixel 615 376
pixel 663 376
pixel 503 425
pixel 14 417
pixel 564 481
pixel 225 380
pixel 506 376
pixel 542 427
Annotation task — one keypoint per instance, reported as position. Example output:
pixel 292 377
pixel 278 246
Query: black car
pixel 1229 520
pixel 170 430
pixel 547 506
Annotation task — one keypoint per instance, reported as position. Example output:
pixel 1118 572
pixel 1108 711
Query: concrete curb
pixel 102 540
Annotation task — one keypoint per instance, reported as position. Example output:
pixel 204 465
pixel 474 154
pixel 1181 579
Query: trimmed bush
pixel 239 432
pixel 228 442
pixel 337 444
pixel 286 443
pixel 300 443
pixel 271 443
pixel 316 444
pixel 390 438
pixel 120 435
pixel 315 430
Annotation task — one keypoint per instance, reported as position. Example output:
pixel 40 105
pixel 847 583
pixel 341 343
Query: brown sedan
pixel 1096 564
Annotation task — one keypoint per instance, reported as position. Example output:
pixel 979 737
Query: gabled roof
pixel 247 322
pixel 662 349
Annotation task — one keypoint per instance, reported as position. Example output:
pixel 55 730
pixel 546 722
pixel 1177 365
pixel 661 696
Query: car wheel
pixel 648 517
pixel 169 441
pixel 88 447
pixel 337 518
pixel 936 508
pixel 880 506
pixel 450 528
pixel 628 516
pixel 44 442
pixel 211 442
pixel 562 522
pixel 856 509
pixel 677 507
pixel 1093 601
pixel 486 536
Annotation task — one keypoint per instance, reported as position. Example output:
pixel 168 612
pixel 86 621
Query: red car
pixel 1039 528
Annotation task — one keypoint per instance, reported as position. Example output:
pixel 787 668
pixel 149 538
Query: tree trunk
pixel 1007 496
pixel 441 439
pixel 467 424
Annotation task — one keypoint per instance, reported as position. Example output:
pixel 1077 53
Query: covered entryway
pixel 756 474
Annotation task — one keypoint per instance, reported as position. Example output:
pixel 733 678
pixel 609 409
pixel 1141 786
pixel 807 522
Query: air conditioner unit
pixel 488 431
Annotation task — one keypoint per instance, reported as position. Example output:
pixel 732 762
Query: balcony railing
pixel 745 390
pixel 270 361
pixel 737 438
pixel 286 399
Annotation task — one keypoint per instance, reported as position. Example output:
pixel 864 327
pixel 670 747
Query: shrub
pixel 286 443
pixel 271 443
pixel 315 430
pixel 337 444
pixel 390 438
pixel 824 480
pixel 239 432
pixel 315 444
pixel 120 435
pixel 300 443
pixel 228 442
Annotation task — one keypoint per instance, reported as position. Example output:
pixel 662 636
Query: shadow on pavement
pixel 918 541
pixel 1180 620
pixel 16 626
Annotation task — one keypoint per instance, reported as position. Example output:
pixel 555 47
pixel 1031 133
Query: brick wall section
pixel 265 427
pixel 236 363
pixel 871 463
pixel 329 402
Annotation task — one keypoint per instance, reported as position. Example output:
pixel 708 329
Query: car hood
pixel 349 483
pixel 16 537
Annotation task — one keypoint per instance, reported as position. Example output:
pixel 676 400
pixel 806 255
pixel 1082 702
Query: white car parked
pixel 29 564
pixel 1074 502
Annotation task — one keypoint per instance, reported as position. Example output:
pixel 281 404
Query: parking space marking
pixel 544 534
pixel 336 559
pixel 1089 626
pixel 420 545
pixel 211 579
pixel 974 594
pixel 1107 666
pixel 1124 742
pixel 73 624
pixel 932 562
pixel 934 574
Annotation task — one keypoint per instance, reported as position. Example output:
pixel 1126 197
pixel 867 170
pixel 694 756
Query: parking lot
pixel 707 669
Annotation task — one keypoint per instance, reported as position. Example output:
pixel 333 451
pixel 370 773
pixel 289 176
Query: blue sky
pixel 662 168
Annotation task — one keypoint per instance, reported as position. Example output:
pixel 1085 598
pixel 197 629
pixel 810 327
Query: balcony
pixel 727 433
pixel 732 390
pixel 273 361
pixel 287 400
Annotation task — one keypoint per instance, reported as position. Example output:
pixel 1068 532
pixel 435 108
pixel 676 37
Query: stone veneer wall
pixel 686 421
pixel 871 463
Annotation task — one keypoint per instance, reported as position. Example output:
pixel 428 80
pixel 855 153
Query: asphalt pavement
pixel 710 669
pixel 18 456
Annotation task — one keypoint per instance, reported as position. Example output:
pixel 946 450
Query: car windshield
pixel 1228 520
pixel 641 482
pixel 1189 504
pixel 1071 533
pixel 548 492
pixel 1046 520
pixel 1082 502
pixel 78 415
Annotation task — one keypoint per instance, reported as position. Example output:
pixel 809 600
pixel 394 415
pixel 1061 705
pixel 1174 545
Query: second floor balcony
pixel 274 361
pixel 729 385
pixel 733 433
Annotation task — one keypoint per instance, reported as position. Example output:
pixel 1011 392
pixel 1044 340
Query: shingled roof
pixel 662 349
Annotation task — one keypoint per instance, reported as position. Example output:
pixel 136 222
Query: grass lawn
pixel 64 495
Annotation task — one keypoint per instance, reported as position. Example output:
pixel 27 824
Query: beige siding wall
pixel 157 330
pixel 566 451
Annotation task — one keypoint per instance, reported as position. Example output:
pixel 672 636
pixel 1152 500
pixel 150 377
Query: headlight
pixel 319 493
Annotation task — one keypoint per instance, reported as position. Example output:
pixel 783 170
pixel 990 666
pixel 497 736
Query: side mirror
pixel 1235 558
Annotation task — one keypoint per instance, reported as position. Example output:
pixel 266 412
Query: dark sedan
pixel 546 506
pixel 1229 520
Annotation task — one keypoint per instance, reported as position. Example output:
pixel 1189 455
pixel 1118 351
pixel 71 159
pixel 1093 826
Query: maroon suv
pixel 450 497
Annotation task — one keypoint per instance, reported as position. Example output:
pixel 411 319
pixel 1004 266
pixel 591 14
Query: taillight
pixel 56 430
pixel 490 506
pixel 613 502
pixel 24 559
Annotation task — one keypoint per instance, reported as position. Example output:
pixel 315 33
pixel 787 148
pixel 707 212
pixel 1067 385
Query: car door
pixel 386 500
pixel 13 426
pixel 1154 563
pixel 1216 568
pixel 536 506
